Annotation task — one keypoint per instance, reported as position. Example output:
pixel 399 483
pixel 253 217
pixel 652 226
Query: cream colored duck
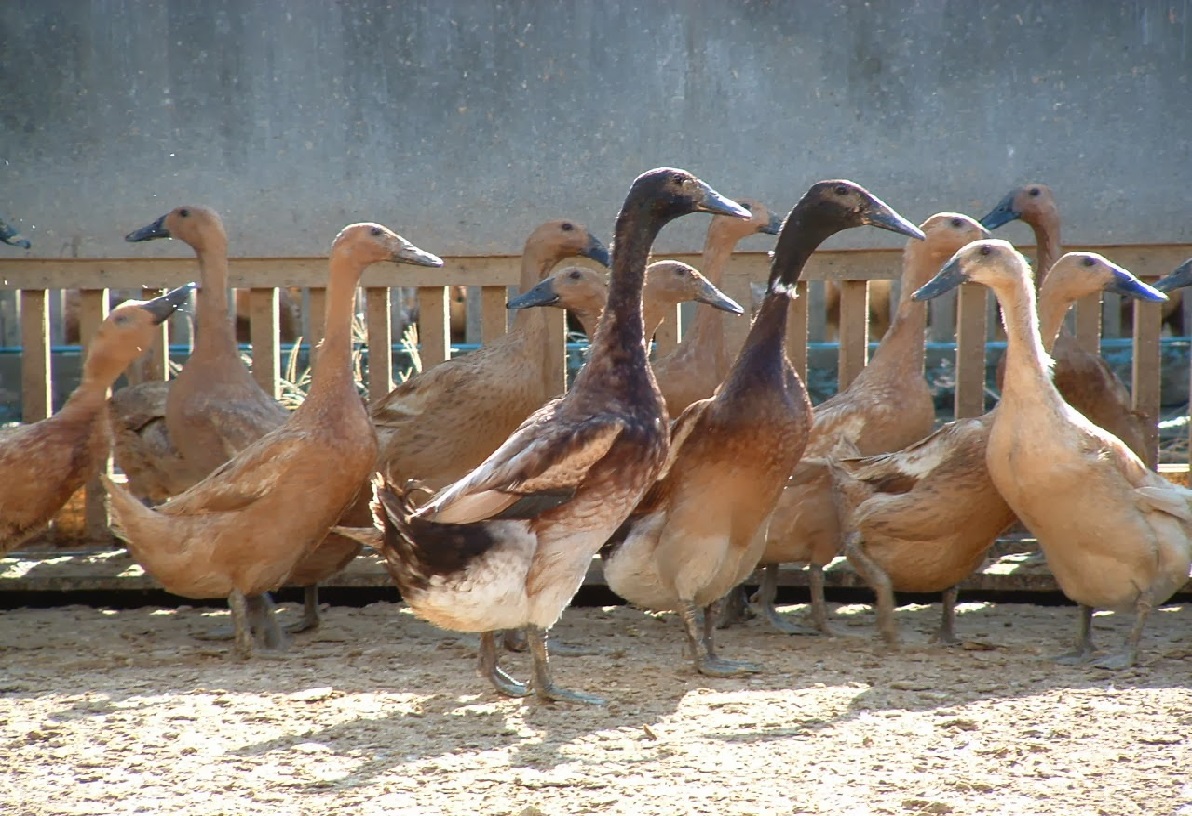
pixel 440 424
pixel 584 292
pixel 508 546
pixel 44 463
pixel 241 531
pixel 699 531
pixel 887 407
pixel 1115 534
pixel 922 519
pixel 1085 380
pixel 699 364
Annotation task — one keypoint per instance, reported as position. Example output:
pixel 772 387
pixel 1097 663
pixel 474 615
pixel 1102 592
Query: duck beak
pixel 774 226
pixel 950 276
pixel 1000 215
pixel 541 295
pixel 709 294
pixel 596 251
pixel 149 232
pixel 880 214
pixel 713 202
pixel 162 307
pixel 408 253
pixel 12 236
pixel 1127 285
pixel 1182 276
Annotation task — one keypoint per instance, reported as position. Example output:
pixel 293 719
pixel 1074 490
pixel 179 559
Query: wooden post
pixel 317 297
pixel 434 326
pixel 1144 372
pixel 494 317
pixel 970 351
pixel 262 333
pixel 796 330
pixel 37 396
pixel 93 309
pixel 380 342
pixel 854 331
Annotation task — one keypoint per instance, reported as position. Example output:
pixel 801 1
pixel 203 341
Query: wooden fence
pixel 968 315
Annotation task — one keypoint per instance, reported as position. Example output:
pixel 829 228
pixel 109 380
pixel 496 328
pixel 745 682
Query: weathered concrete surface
pixel 464 124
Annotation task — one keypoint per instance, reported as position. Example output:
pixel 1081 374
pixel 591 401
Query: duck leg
pixel 268 635
pixel 1084 641
pixel 241 626
pixel 489 669
pixel 877 579
pixel 1128 655
pixel 819 603
pixel 699 628
pixel 735 608
pixel 310 611
pixel 514 640
pixel 946 636
pixel 763 604
pixel 544 685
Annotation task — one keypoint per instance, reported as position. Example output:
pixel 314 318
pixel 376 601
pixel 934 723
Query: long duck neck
pixel 618 349
pixel 333 363
pixel 903 347
pixel 706 336
pixel 1053 308
pixel 536 263
pixel 1028 367
pixel 213 328
pixel 1047 244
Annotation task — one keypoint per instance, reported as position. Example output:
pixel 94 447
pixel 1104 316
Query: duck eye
pixel 567 226
pixel 986 249
pixel 375 230
pixel 745 206
pixel 841 190
pixel 678 178
pixel 957 223
pixel 1089 262
pixel 185 213
pixel 574 274
pixel 1035 191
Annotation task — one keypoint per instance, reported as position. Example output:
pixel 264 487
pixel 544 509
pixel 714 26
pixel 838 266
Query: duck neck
pixel 1053 308
pixel 1028 367
pixel 536 264
pixel 1047 244
pixel 213 328
pixel 333 363
pixel 705 338
pixel 902 347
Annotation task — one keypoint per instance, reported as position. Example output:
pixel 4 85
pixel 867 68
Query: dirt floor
pixel 120 712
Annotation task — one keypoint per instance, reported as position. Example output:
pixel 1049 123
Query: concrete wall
pixel 463 124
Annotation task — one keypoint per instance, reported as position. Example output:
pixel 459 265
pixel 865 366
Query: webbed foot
pixel 489 669
pixel 713 666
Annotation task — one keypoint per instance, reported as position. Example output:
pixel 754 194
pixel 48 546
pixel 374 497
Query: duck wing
pixel 538 468
pixel 241 481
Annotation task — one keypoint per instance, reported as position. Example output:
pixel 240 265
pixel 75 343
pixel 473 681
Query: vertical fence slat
pixel 475 327
pixel 817 311
pixel 262 333
pixel 854 330
pixel 153 364
pixel 796 330
pixel 941 327
pixel 377 318
pixel 1144 371
pixel 494 317
pixel 93 308
pixel 317 298
pixel 970 351
pixel 434 326
pixel 555 371
pixel 1088 323
pixel 36 387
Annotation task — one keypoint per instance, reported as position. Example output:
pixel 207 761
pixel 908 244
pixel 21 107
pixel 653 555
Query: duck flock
pixel 488 500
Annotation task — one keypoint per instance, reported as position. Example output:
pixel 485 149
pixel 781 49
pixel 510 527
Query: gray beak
pixel 712 296
pixel 413 255
pixel 541 295
pixel 149 232
pixel 880 214
pixel 1000 215
pixel 596 251
pixel 1182 276
pixel 162 307
pixel 949 277
pixel 713 202
pixel 774 226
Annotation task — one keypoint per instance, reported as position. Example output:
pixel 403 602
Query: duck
pixel 697 365
pixel 282 492
pixel 45 462
pixel 1085 380
pixel 440 424
pixel 507 546
pixel 1116 535
pixel 887 407
pixel 12 236
pixel 699 530
pixel 1180 277
pixel 583 292
pixel 922 519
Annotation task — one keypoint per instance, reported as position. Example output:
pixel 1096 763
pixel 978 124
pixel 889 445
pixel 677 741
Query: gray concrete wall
pixel 463 124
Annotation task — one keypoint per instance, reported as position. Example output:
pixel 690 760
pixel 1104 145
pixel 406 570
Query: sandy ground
pixel 121 712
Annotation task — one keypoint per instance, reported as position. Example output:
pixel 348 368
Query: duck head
pixel 572 287
pixel 1078 274
pixel 368 243
pixel 988 261
pixel 676 282
pixel 671 192
pixel 128 330
pixel 562 238
pixel 845 204
pixel 194 224
pixel 11 235
pixel 1033 203
pixel 730 228
pixel 1180 277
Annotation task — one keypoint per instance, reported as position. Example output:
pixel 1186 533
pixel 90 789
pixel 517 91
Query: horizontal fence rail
pixel 31 296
